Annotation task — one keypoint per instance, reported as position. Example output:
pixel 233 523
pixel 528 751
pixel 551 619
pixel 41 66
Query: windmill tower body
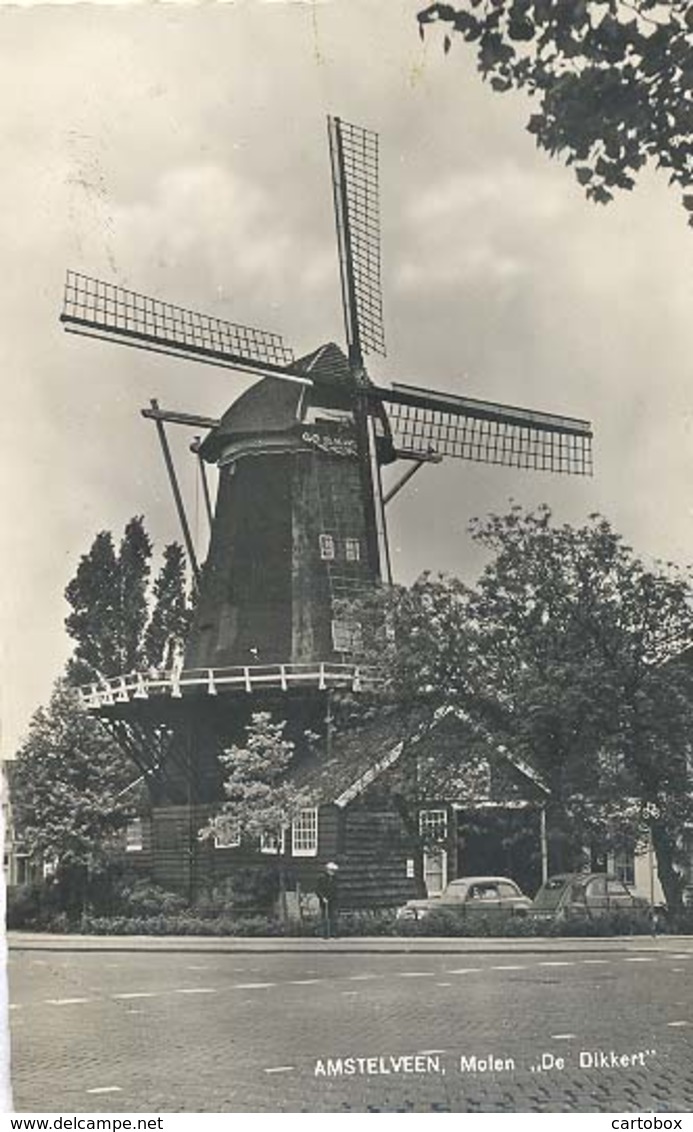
pixel 290 549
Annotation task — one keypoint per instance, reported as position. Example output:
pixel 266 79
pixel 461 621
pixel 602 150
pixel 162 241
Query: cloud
pixel 477 227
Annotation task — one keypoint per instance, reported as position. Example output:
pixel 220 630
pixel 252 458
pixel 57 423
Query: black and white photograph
pixel 347 450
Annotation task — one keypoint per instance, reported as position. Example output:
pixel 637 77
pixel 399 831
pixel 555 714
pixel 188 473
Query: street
pixel 581 1029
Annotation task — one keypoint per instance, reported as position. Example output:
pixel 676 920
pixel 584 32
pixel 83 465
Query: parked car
pixel 583 894
pixel 492 896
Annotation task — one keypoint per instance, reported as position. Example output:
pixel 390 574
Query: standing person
pixel 326 892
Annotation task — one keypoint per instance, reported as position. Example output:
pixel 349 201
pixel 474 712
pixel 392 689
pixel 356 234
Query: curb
pixel 360 945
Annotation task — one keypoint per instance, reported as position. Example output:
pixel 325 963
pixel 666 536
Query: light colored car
pixel 583 894
pixel 489 896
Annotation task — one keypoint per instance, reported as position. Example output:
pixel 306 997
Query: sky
pixel 181 151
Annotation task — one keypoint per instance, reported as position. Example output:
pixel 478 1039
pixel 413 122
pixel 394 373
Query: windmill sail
pixel 106 310
pixel 470 429
pixel 354 156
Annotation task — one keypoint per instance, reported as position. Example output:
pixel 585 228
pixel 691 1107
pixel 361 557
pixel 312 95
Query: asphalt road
pixel 484 1032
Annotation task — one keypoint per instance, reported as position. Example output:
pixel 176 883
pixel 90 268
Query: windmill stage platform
pixel 202 683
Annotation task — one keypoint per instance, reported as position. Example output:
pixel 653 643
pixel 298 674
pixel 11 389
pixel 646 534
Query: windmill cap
pixel 332 867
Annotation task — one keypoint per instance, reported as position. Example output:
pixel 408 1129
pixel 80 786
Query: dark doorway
pixel 501 842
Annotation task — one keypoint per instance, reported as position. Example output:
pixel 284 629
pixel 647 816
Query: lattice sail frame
pixel 107 310
pixel 355 165
pixel 487 432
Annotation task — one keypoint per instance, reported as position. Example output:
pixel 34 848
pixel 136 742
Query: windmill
pixel 300 521
pixel 299 528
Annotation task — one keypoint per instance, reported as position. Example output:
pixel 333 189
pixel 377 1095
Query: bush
pixel 35 906
pixel 367 922
pixel 444 922
pixel 181 925
pixel 144 899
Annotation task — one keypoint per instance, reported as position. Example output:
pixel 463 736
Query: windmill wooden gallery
pixel 298 532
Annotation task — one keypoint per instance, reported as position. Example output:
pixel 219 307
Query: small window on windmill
pixel 346 635
pixel 352 550
pixel 327 547
pixel 134 839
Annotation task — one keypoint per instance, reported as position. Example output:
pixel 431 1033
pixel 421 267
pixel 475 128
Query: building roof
pixel 359 756
pixel 327 367
pixel 356 757
pixel 274 405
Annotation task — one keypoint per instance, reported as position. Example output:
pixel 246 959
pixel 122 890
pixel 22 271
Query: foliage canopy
pixel 69 787
pixel 613 80
pixel 120 623
pixel 574 656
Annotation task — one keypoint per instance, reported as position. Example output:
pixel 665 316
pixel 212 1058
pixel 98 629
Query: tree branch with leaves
pixel 613 80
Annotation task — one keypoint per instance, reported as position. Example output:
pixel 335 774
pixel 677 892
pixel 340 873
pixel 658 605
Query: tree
pixel 575 657
pixel 261 800
pixel 93 622
pixel 165 636
pixel 613 80
pixel 68 800
pixel 118 624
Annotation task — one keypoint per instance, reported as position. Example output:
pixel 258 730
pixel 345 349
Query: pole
pixel 544 846
pixel 402 480
pixel 195 447
pixel 182 517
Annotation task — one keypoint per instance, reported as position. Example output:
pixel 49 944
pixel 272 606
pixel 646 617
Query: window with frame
pixel 304 834
pixel 433 824
pixel 225 838
pixel 134 836
pixel 346 635
pixel 352 550
pixel 624 866
pixel 327 548
pixel 270 843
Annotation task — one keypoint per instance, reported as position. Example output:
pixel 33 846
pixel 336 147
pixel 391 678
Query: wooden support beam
pixel 397 487
pixel 418 454
pixel 170 417
pixel 195 447
pixel 173 479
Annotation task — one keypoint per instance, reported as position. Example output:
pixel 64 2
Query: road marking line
pixel 681 1023
pixel 135 994
pixel 463 971
pixel 361 978
pixel 424 1052
pixel 106 1089
pixel 416 974
pixel 509 967
pixel 251 986
pixel 638 959
pixel 443 984
pixel 562 1037
pixel 281 1069
pixel 595 960
pixel 556 963
pixel 204 967
pixel 677 970
pixel 352 993
pixel 303 982
pixel 66 1001
pixel 684 955
pixel 196 990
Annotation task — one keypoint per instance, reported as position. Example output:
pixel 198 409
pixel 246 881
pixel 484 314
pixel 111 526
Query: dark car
pixel 471 895
pixel 583 894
